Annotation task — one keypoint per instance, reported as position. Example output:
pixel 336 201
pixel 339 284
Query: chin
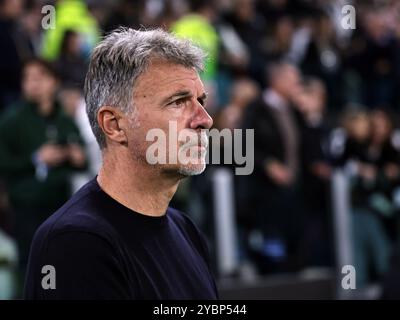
pixel 192 169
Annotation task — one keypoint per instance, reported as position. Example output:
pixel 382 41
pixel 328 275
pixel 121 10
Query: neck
pixel 314 118
pixel 137 186
pixel 45 106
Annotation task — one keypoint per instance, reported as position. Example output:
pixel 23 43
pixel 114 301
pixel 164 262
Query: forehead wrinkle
pixel 167 87
pixel 163 80
pixel 167 72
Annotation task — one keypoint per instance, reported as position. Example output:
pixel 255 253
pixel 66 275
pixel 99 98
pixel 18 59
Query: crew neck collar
pixel 125 214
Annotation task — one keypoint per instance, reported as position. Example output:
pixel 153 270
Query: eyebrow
pixel 184 94
pixel 177 95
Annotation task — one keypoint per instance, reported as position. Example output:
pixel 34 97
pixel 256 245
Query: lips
pixel 202 142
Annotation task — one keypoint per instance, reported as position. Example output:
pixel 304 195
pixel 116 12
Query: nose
pixel 201 119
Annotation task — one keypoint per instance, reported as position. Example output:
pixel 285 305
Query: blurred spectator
pixel 74 105
pixel 373 53
pixel 39 148
pixel 273 193
pixel 197 25
pixel 316 173
pixel 126 13
pixel 71 15
pixel 280 39
pixel 243 92
pixel 386 156
pixel 322 58
pixel 250 27
pixel 15 48
pixel 31 20
pixel 374 169
pixel 71 66
pixel 273 10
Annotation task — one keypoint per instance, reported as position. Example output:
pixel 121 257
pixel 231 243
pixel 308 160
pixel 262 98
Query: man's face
pixel 309 100
pixel 288 81
pixel 170 98
pixel 37 83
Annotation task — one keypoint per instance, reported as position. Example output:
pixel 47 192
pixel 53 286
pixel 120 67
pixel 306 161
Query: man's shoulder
pixel 78 242
pixel 81 213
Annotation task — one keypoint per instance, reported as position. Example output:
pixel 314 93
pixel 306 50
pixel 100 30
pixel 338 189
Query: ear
pixel 110 120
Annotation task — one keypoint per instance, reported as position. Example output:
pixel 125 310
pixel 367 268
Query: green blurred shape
pixel 70 15
pixel 196 28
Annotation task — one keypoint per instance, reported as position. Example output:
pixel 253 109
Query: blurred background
pixel 324 101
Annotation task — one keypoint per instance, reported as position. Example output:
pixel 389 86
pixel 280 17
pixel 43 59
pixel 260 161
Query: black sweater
pixel 103 250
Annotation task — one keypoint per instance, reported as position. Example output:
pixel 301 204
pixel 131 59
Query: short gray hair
pixel 119 59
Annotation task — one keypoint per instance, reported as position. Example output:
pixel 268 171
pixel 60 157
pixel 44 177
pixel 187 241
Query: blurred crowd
pixel 320 98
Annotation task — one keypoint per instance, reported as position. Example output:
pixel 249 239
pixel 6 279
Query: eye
pixel 201 101
pixel 179 102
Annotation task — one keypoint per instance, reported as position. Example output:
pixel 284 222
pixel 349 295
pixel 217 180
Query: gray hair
pixel 120 58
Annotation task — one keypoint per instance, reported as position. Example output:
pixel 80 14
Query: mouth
pixel 196 147
pixel 203 143
pixel 197 151
pixel 200 148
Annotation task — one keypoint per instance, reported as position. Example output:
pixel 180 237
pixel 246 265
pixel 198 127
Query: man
pixel 276 153
pixel 16 48
pixel 40 147
pixel 117 238
pixel 315 173
pixel 197 26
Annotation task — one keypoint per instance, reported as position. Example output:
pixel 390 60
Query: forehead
pixel 161 77
pixel 291 70
pixel 36 69
pixel 33 67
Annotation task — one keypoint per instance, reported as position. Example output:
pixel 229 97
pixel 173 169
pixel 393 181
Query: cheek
pixel 32 88
pixel 137 135
pixel 143 131
pixel 168 122
pixel 47 86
